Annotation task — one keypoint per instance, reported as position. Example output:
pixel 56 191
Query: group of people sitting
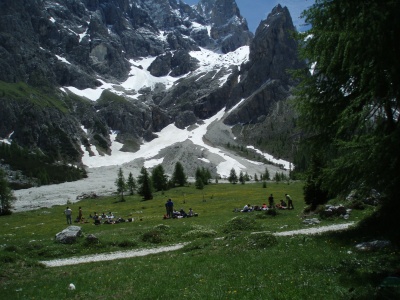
pixel 172 213
pixel 108 219
pixel 249 208
pixel 181 214
pixel 271 205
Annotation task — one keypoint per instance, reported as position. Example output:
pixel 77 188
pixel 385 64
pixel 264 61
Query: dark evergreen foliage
pixel 314 194
pixel 233 176
pixel 40 168
pixel 121 184
pixel 145 185
pixel 179 176
pixel 266 175
pixel 241 178
pixel 159 179
pixel 199 183
pixel 349 103
pixel 202 174
pixel 246 176
pixel 6 195
pixel 131 184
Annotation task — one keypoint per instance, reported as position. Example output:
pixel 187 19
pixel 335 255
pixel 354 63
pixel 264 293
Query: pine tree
pixel 179 176
pixel 206 175
pixel 199 183
pixel 266 175
pixel 233 177
pixel 246 177
pixel 159 179
pixel 144 185
pixel 348 104
pixel 314 194
pixel 277 177
pixel 120 183
pixel 43 177
pixel 241 178
pixel 131 184
pixel 255 177
pixel 6 195
pixel 198 177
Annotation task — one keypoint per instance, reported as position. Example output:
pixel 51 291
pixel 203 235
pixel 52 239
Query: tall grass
pixel 222 260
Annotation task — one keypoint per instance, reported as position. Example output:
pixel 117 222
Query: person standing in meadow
pixel 290 201
pixel 68 214
pixel 80 217
pixel 170 208
pixel 271 201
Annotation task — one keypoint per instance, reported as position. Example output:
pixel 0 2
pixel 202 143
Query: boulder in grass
pixel 313 221
pixel 373 246
pixel 92 239
pixel 69 235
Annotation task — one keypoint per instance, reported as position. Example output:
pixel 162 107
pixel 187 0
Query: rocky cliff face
pixel 265 118
pixel 265 77
pixel 53 46
pixel 229 29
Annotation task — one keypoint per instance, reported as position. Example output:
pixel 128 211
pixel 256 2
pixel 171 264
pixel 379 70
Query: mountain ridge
pixel 199 60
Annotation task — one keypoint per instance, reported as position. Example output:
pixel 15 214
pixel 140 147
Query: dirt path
pixel 109 256
pixel 315 230
pixel 144 252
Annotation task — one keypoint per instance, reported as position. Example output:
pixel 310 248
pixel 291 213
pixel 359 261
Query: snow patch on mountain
pixel 170 136
pixel 139 77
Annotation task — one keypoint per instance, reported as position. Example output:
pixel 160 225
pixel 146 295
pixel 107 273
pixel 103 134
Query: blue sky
pixel 257 10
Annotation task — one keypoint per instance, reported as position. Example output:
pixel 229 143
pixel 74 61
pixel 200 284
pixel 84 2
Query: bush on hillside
pixel 199 233
pixel 261 240
pixel 152 236
pixel 239 224
pixel 127 243
pixel 162 227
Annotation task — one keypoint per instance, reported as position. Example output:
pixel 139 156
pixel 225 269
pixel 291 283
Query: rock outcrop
pixel 69 235
pixel 229 29
pixel 265 77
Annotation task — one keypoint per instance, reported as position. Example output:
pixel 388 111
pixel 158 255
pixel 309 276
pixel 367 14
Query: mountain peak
pixel 228 28
pixel 277 9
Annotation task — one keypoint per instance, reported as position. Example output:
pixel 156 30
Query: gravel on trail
pixel 109 256
pixel 315 230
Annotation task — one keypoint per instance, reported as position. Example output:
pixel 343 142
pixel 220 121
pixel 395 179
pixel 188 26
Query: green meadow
pixel 228 255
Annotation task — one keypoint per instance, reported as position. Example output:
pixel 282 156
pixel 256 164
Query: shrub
pixel 199 233
pixel 357 204
pixel 239 224
pixel 34 246
pixel 197 245
pixel 8 258
pixel 11 248
pixel 153 236
pixel 261 240
pixel 162 227
pixel 319 209
pixel 262 216
pixel 127 243
pixel 91 240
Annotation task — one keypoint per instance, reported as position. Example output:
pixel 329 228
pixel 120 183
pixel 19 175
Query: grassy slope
pixel 237 265
pixel 23 92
